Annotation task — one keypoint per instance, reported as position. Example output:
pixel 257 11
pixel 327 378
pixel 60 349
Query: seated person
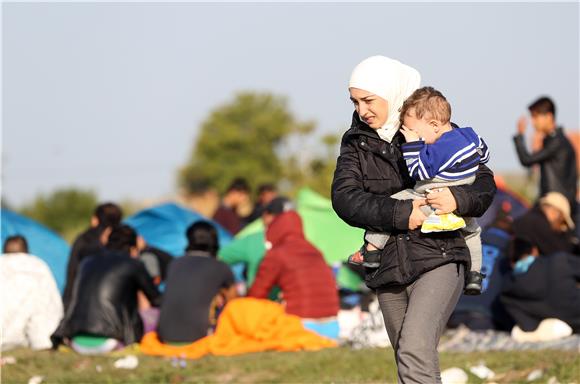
pixel 156 261
pixel 266 193
pixel 31 303
pixel 299 269
pixel 236 197
pixel 542 287
pixel 486 311
pixel 90 242
pixel 192 284
pixel 103 315
pixel 548 225
pixel 250 250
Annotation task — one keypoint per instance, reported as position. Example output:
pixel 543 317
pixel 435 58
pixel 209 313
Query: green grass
pixel 340 365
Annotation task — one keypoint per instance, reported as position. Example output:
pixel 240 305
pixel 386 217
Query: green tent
pixel 323 228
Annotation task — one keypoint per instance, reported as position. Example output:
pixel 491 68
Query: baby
pixel 437 155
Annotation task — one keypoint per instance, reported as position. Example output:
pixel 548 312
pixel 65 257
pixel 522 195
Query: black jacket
pixel 86 244
pixel 368 171
pixel 535 227
pixel 548 289
pixel 104 299
pixel 557 161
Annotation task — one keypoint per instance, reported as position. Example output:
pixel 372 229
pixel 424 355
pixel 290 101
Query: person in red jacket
pixel 300 271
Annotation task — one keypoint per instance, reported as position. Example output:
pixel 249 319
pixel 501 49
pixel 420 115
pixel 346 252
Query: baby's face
pixel 425 128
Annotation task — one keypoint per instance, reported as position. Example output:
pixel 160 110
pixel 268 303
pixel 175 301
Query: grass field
pixel 340 365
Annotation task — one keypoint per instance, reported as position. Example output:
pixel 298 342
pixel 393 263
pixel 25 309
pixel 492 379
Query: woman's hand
pixel 442 200
pixel 417 216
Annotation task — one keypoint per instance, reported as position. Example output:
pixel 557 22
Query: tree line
pixel 254 135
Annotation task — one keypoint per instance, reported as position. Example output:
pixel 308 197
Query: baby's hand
pixel 409 135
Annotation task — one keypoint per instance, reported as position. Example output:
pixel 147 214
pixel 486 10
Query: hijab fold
pixel 389 79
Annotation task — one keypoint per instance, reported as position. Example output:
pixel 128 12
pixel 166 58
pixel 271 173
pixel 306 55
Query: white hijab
pixel 389 79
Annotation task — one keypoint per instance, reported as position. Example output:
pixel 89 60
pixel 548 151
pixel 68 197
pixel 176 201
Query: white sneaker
pixel 548 329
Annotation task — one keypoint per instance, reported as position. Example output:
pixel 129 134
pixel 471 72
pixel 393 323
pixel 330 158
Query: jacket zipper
pixel 402 264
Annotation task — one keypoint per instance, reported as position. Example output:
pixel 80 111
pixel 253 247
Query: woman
pixel 421 276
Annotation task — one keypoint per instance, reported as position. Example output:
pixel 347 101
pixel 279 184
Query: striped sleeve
pixel 466 156
pixel 483 151
pixel 450 158
pixel 417 159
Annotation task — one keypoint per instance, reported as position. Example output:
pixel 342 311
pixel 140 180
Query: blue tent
pixel 42 242
pixel 164 226
pixel 505 200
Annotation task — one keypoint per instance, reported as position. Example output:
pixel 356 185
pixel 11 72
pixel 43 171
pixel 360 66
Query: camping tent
pixel 335 239
pixel 506 200
pixel 322 227
pixel 42 242
pixel 164 227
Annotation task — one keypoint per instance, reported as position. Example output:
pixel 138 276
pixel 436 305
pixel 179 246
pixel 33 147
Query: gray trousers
pixel 415 317
pixel 471 232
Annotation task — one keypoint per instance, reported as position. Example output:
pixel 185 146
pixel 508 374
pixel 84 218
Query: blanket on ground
pixel 464 340
pixel 246 325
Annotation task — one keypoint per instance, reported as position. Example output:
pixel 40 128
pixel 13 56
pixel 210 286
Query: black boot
pixel 473 287
pixel 371 259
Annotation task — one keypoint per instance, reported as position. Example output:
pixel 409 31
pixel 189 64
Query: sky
pixel 110 96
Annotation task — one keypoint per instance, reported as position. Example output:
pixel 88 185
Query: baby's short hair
pixel 428 103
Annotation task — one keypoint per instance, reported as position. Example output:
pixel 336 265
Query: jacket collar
pixel 198 253
pixel 359 128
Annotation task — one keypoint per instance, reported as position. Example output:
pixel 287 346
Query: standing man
pixel 557 159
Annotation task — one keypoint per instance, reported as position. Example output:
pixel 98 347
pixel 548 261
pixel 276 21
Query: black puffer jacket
pixel 104 299
pixel 369 170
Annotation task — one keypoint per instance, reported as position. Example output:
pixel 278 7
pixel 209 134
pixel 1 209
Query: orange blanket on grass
pixel 245 325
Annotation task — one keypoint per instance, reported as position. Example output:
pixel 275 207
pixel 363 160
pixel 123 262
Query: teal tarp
pixel 164 226
pixel 42 242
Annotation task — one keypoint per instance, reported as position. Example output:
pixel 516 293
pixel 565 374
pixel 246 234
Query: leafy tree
pixel 316 172
pixel 66 211
pixel 243 138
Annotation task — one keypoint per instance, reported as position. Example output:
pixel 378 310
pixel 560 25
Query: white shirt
pixel 30 303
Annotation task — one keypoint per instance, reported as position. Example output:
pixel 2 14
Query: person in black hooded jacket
pixel 104 298
pixel 421 276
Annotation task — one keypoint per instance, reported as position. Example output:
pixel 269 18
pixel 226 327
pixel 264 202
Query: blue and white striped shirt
pixel 455 155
